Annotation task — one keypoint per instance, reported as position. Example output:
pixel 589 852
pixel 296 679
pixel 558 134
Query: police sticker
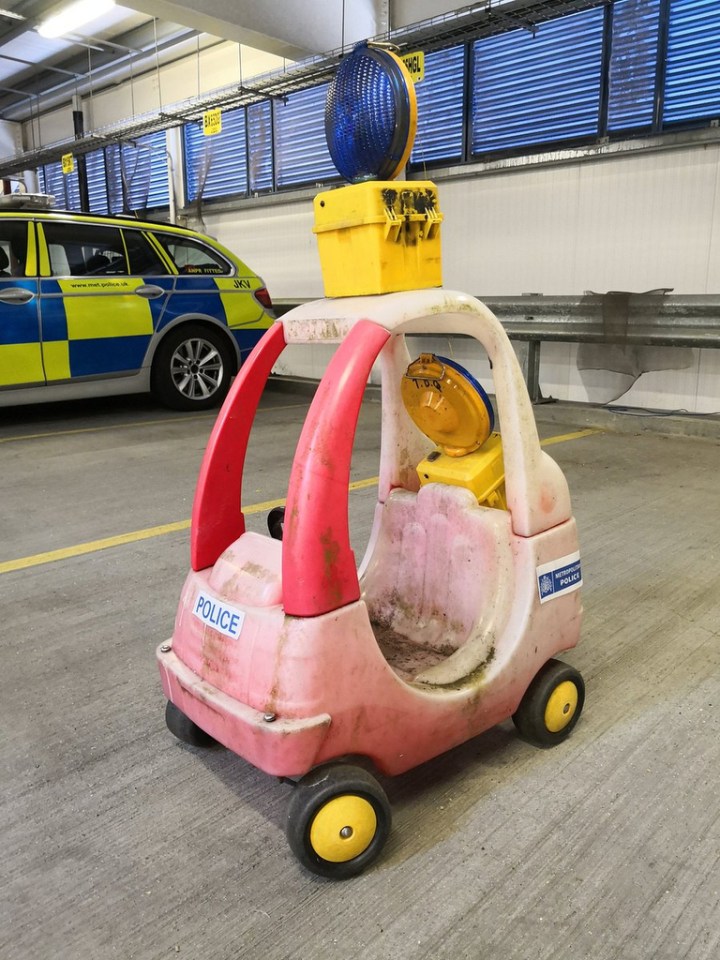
pixel 219 616
pixel 558 577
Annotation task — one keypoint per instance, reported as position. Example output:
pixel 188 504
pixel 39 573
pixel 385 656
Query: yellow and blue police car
pixel 94 305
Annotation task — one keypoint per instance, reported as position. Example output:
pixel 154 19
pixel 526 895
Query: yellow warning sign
pixel 212 122
pixel 415 62
pixel 68 163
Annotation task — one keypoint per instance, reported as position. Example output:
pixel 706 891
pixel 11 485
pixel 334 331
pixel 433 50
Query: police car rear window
pixel 193 258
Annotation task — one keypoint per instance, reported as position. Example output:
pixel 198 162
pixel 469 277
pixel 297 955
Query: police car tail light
pixel 263 298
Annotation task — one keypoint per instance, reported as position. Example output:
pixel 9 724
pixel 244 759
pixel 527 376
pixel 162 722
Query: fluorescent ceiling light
pixel 78 14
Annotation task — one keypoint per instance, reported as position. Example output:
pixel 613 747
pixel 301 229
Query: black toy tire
pixel 185 729
pixel 552 705
pixel 275 521
pixel 353 788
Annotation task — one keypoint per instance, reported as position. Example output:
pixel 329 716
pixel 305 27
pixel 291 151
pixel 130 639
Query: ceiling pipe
pixel 85 83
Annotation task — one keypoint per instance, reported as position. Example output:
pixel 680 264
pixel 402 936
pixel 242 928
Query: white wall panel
pixel 10 138
pixel 646 222
pixel 708 383
pixel 278 243
pixel 713 251
pixel 627 223
pixel 215 66
pixel 510 233
pixel 50 128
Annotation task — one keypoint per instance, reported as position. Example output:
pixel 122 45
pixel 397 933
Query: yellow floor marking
pixel 578 435
pixel 137 423
pixel 93 546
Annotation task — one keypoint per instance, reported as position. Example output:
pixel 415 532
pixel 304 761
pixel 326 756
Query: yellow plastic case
pixel 482 471
pixel 379 237
pixel 451 408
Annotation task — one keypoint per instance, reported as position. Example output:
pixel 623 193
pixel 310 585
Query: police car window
pixel 143 259
pixel 13 248
pixel 193 258
pixel 85 250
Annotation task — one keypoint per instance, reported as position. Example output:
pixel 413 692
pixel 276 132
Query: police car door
pixel 20 352
pixel 210 286
pixel 97 318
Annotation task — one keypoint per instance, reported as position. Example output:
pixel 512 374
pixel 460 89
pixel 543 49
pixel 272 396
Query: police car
pixel 94 305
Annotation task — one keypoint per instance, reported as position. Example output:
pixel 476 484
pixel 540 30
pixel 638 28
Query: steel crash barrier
pixel 654 318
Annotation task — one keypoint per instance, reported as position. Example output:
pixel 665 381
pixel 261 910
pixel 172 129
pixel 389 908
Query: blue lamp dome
pixel 370 115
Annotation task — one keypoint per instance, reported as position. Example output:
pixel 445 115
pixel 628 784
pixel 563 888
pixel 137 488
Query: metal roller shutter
pixel 692 78
pixel 440 99
pixel 538 88
pixel 301 153
pixel 633 63
pixel 216 165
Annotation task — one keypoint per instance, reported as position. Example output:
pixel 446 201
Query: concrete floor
pixel 118 841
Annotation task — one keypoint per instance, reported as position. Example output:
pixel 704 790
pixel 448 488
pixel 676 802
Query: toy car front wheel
pixel 192 368
pixel 185 729
pixel 552 704
pixel 338 821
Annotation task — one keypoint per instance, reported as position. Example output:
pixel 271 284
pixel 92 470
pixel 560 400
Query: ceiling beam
pixel 294 29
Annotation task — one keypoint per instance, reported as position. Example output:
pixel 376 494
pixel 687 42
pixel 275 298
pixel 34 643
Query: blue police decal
pixel 558 577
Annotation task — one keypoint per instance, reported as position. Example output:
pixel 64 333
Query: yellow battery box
pixel 482 471
pixel 380 236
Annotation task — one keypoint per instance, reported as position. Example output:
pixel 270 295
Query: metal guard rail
pixel 654 318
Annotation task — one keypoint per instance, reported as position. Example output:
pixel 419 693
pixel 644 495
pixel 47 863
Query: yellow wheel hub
pixel 343 828
pixel 561 706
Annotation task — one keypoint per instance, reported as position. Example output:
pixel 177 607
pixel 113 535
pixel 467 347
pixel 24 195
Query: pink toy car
pixel 309 668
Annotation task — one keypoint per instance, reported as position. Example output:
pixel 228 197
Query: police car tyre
pixel 193 368
pixel 310 799
pixel 185 729
pixel 552 705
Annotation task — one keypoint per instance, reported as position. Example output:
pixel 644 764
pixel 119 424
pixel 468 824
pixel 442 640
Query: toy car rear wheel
pixel 338 821
pixel 552 705
pixel 275 522
pixel 192 368
pixel 185 729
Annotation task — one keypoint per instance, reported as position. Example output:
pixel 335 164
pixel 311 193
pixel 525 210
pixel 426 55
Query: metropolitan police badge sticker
pixel 558 577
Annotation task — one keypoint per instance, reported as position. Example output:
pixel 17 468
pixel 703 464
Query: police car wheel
pixel 552 705
pixel 192 368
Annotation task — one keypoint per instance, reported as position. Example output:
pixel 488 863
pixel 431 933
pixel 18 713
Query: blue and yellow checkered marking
pixel 94 326
pixel 20 353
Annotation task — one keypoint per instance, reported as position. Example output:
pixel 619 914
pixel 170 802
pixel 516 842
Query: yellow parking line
pixel 93 546
pixel 137 423
pixel 577 435
pixel 116 426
